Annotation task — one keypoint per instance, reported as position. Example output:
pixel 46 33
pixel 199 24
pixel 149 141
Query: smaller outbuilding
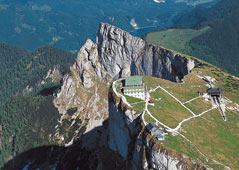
pixel 160 137
pixel 151 100
pixel 153 129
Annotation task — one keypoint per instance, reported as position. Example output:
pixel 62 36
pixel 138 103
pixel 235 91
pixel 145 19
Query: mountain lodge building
pixel 134 87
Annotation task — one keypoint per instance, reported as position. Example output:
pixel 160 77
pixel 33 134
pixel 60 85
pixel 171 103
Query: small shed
pixel 215 92
pixel 151 100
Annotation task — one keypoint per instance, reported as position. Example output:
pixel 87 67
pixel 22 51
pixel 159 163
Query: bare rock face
pixel 88 66
pixel 124 132
pixel 54 74
pixel 122 55
pixel 86 89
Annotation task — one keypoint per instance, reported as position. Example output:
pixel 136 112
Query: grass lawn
pixel 167 110
pixel 139 106
pixel 175 39
pixel 183 91
pixel 118 89
pixel 132 100
pixel 215 138
pixel 181 145
pixel 148 119
pixel 199 105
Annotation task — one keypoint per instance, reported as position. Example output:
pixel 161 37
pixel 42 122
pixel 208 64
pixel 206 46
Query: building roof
pixel 215 90
pixel 133 81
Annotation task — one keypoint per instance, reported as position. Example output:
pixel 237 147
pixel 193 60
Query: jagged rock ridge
pixel 122 55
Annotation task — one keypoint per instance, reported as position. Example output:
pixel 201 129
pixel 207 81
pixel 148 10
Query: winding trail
pixel 187 119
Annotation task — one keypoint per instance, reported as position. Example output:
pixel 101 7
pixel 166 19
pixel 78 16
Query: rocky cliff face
pixel 84 88
pixel 115 54
pixel 125 127
pixel 158 157
pixel 122 55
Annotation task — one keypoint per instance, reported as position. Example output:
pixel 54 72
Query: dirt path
pixel 177 100
pixel 191 100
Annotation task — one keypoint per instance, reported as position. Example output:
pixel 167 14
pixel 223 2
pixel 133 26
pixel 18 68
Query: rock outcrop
pixel 54 74
pixel 116 54
pixel 85 88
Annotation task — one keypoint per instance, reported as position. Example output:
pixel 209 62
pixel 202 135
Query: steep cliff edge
pixel 86 92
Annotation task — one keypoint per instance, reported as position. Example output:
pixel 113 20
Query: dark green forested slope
pixel 200 16
pixel 28 120
pixel 218 45
pixel 22 69
pixel 9 55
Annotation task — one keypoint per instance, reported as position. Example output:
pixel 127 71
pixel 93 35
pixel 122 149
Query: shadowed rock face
pixel 123 55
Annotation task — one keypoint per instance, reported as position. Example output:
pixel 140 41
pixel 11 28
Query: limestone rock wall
pixel 84 88
pixel 163 159
pixel 125 131
pixel 122 55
